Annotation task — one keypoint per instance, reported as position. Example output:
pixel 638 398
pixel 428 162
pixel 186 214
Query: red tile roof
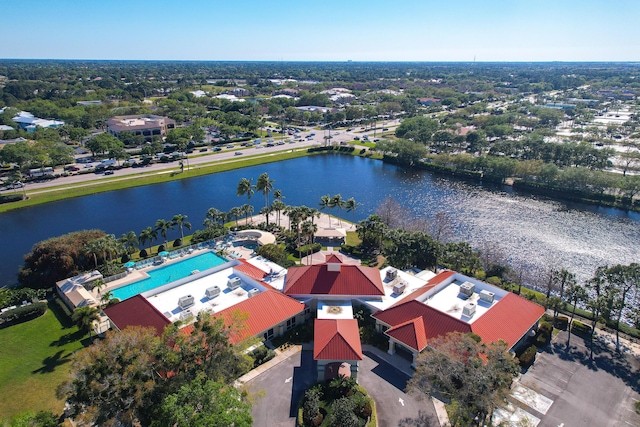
pixel 263 311
pixel 435 323
pixel 250 270
pixel 411 333
pixel 333 258
pixel 336 340
pixel 508 320
pixel 353 280
pixel 137 311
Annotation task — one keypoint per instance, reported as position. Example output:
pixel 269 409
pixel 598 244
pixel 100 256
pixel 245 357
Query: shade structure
pixel 129 264
pixel 164 253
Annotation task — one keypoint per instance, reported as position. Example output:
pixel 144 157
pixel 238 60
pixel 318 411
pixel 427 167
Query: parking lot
pixel 277 391
pixel 568 389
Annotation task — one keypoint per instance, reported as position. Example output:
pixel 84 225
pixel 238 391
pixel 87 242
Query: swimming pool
pixel 169 273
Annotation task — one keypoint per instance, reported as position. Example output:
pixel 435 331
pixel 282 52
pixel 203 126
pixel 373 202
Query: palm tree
pixel 148 235
pixel 265 185
pixel 277 195
pixel 278 206
pixel 309 229
pixel 247 210
pixel 351 205
pixel 235 212
pixel 337 202
pixel 105 298
pixel 84 318
pixel 575 294
pixel 93 247
pixel 129 241
pixel 325 202
pixel 163 226
pixel 181 221
pixel 246 187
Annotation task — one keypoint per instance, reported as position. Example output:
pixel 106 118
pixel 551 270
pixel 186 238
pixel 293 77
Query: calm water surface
pixel 530 231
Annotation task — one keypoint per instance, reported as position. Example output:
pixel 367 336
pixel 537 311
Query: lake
pixel 530 230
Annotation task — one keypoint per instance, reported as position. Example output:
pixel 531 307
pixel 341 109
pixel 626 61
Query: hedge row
pixel 24 313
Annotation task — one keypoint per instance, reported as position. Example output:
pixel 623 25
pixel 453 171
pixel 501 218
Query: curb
pixel 270 364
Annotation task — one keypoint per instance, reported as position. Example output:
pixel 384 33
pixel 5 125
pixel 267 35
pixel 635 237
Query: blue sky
pixel 330 30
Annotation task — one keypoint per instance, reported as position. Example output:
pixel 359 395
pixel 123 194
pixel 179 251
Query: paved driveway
pixel 584 393
pixel 278 390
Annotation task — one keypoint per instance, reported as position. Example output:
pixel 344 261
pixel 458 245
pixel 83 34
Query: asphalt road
pixel 277 391
pixel 226 154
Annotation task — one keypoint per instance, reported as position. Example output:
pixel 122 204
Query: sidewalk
pixel 280 357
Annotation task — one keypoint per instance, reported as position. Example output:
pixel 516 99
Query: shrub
pixel 143 253
pixel 580 328
pixel 494 280
pixel 125 258
pixel 528 356
pixel 262 355
pixel 177 242
pixel 24 313
pixel 15 296
pixel 562 322
pixel 161 248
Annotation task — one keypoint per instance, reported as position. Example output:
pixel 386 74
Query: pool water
pixel 251 245
pixel 169 273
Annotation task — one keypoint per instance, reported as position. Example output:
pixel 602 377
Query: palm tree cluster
pixel 329 202
pixel 264 184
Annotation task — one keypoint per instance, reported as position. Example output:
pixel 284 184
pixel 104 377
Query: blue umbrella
pixel 129 264
pixel 164 253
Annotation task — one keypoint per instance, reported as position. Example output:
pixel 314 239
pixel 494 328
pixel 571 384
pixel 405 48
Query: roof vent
pixel 252 292
pixel 212 292
pixel 186 301
pixel 469 309
pixel 399 288
pixel 392 273
pixel 234 283
pixel 487 296
pixel 467 289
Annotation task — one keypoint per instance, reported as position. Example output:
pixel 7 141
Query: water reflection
pixel 531 230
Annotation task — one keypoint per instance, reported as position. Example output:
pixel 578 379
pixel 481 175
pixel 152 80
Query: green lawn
pixel 34 359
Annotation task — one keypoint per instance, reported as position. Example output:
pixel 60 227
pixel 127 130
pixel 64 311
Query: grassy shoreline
pixel 63 192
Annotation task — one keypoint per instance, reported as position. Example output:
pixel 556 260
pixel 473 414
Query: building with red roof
pixel 335 279
pixel 267 314
pixel 336 341
pixel 452 302
pixel 136 311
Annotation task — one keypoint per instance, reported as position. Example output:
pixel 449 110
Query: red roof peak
pixel 411 332
pixel 332 258
pixel 336 340
pixel 320 279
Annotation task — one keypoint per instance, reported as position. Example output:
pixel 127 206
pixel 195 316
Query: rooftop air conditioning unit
pixel 234 283
pixel 212 292
pixel 487 296
pixel 186 301
pixel 185 314
pixel 252 292
pixel 399 288
pixel 467 289
pixel 469 309
pixel 392 273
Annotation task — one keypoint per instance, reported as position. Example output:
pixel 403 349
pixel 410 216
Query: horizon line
pixel 337 61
